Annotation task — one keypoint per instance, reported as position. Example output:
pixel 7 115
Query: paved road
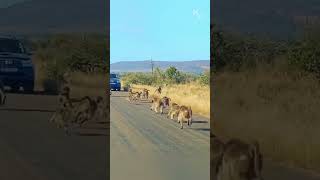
pixel 145 145
pixel 33 149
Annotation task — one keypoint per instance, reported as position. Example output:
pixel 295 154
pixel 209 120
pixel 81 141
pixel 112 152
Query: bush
pixel 61 53
pixel 51 86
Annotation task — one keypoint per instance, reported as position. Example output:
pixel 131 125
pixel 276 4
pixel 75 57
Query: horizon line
pixel 160 60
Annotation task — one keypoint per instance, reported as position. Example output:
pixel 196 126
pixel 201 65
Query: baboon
pixel 158 90
pixel 240 161
pixel 145 93
pixel 2 94
pixel 159 103
pixel 77 111
pixel 185 113
pixel 173 111
pixel 134 96
pixel 217 148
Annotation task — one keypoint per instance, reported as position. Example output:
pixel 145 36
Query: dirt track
pixel 34 149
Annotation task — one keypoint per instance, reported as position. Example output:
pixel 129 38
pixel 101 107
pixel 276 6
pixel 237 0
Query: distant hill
pixel 275 18
pixel 57 16
pixel 145 66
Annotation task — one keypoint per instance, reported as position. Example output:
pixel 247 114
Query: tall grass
pixel 274 104
pixel 192 94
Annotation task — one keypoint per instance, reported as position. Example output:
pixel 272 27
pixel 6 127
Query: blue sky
pixel 172 30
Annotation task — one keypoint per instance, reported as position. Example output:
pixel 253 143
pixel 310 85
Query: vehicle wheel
pixel 14 89
pixel 28 88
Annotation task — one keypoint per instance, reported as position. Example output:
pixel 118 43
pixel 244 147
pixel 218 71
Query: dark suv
pixel 115 83
pixel 16 68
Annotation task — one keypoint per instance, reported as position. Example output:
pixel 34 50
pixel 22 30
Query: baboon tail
pixel 190 111
pixel 257 159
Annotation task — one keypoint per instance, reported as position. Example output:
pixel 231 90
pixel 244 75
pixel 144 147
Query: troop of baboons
pixel 182 113
pixel 78 111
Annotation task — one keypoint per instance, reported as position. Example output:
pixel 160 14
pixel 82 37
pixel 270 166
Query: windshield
pixel 10 46
pixel 113 76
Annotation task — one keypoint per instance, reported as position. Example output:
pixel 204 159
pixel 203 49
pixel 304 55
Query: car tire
pixel 28 88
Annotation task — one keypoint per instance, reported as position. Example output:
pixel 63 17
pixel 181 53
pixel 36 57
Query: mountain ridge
pixel 195 66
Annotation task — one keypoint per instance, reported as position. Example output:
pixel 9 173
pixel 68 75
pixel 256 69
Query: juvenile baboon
pixel 2 94
pixel 185 114
pixel 145 93
pixel 173 111
pixel 135 96
pixel 158 104
pixel 158 90
pixel 240 161
pixel 76 111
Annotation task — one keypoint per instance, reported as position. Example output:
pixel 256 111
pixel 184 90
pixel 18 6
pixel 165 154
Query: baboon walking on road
pixel 173 111
pixel 185 114
pixel 158 104
pixel 145 93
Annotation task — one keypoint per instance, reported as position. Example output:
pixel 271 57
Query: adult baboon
pixel 185 114
pixel 173 111
pixel 158 104
pixel 216 154
pixel 93 109
pixel 240 161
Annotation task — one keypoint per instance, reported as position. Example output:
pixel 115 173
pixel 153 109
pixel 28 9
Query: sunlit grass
pixel 194 95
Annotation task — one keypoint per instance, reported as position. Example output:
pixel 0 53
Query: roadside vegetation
pixel 83 56
pixel 268 90
pixel 183 88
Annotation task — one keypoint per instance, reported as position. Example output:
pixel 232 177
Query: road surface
pixel 145 145
pixel 34 149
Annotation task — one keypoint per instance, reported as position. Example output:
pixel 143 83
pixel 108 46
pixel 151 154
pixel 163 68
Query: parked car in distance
pixel 16 67
pixel 115 83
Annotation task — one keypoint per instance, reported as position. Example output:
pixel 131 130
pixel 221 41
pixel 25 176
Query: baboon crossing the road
pixel 158 104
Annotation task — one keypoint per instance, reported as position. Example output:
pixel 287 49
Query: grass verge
pixel 198 97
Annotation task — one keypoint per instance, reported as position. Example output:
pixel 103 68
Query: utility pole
pixel 151 65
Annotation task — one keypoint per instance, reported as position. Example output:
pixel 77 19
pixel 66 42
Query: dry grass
pixel 198 97
pixel 88 84
pixel 277 107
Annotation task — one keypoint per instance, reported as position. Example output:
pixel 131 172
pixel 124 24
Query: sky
pixel 163 30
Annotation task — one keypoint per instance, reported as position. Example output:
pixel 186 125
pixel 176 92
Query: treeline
pixel 160 77
pixel 57 54
pixel 234 52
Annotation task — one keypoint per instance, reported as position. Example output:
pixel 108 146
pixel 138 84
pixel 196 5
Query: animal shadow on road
pixel 200 122
pixel 26 110
pixel 118 96
pixel 201 129
pixel 47 93
pixel 91 134
pixel 98 128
